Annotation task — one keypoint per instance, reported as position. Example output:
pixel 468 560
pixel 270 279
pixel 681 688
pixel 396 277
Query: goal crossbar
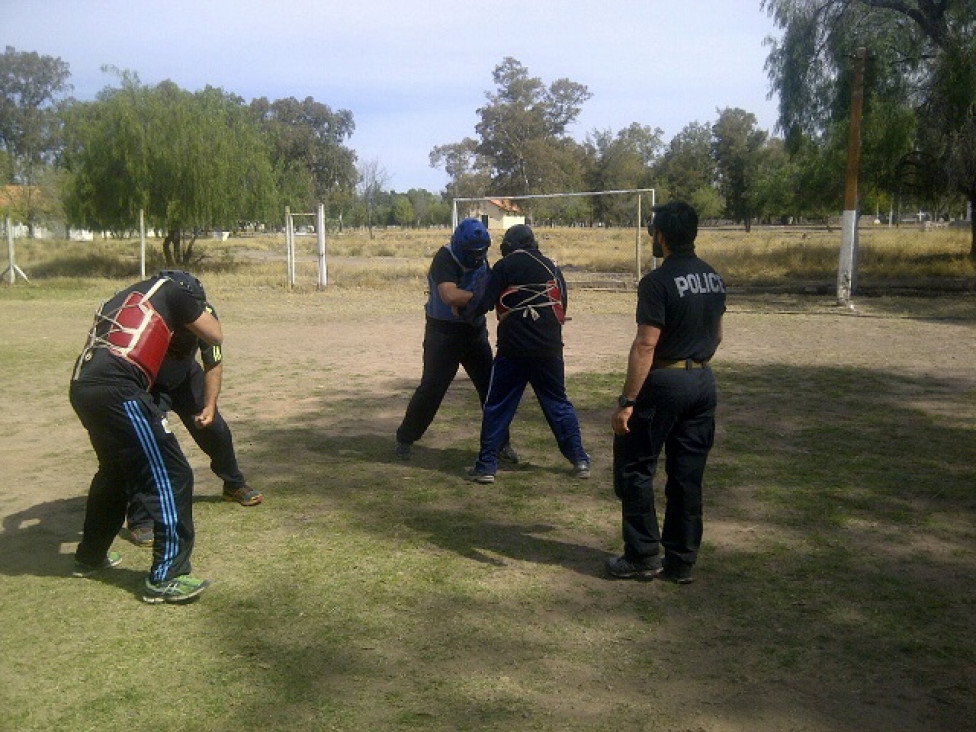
pixel 626 191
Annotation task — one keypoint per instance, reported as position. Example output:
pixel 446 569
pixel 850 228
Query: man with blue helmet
pixel 458 272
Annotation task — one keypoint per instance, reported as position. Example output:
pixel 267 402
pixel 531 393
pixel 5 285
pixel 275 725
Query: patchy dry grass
pixel 772 257
pixel 833 593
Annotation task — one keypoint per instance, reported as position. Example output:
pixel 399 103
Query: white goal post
pixel 290 244
pixel 639 192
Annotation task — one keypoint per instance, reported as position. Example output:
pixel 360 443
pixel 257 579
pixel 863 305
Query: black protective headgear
pixel 519 236
pixel 187 281
pixel 470 243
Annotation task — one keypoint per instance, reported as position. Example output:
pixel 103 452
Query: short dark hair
pixel 678 222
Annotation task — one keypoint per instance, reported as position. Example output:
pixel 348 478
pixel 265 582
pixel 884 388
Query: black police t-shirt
pixel 685 298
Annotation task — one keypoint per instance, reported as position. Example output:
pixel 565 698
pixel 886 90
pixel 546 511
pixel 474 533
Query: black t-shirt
pixel 175 306
pixel 525 331
pixel 181 355
pixel 685 298
pixel 445 268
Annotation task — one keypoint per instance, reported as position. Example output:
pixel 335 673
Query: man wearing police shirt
pixel 668 402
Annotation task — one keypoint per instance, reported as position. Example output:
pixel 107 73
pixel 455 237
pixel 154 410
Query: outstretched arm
pixel 212 379
pixel 638 365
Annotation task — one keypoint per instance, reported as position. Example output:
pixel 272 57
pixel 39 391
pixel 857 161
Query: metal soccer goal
pixel 638 224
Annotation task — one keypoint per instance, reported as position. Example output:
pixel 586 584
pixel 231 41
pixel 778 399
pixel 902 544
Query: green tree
pixel 31 86
pixel 429 209
pixel 707 202
pixel 308 151
pixel 774 186
pixel 523 130
pixel 922 53
pixel 687 169
pixel 818 186
pixel 402 211
pixel 468 171
pixel 107 157
pixel 888 134
pixel 736 147
pixel 191 162
pixel 620 161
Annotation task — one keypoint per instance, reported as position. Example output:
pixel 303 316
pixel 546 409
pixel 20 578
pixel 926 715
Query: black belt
pixel 686 363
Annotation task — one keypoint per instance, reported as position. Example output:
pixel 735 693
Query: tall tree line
pixel 208 159
pixel 919 129
pixel 190 162
pixel 919 134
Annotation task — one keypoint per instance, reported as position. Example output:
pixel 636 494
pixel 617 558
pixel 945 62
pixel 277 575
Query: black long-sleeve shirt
pixel 528 291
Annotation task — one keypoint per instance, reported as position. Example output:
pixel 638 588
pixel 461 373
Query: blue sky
pixel 414 74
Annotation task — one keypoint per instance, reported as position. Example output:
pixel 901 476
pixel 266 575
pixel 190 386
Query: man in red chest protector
pixel 138 455
pixel 190 390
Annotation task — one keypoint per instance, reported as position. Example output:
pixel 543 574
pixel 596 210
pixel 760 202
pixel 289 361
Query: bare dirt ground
pixel 353 346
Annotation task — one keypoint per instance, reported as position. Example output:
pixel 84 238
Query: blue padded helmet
pixel 187 281
pixel 470 243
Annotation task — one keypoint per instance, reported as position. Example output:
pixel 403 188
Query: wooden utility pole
pixel 848 244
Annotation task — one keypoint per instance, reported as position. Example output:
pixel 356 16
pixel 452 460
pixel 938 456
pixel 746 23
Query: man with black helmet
pixel 191 391
pixel 457 272
pixel 137 453
pixel 668 402
pixel 528 293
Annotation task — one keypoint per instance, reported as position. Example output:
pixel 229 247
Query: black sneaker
pixel 243 494
pixel 138 535
pixel 477 477
pixel 669 575
pixel 581 470
pixel 112 559
pixel 622 568
pixel 508 454
pixel 403 450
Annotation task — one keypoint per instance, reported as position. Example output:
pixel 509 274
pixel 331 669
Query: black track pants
pixel 676 413
pixel 137 457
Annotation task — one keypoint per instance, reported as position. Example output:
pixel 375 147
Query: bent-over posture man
pixel 138 455
pixel 457 271
pixel 528 293
pixel 191 391
pixel 668 402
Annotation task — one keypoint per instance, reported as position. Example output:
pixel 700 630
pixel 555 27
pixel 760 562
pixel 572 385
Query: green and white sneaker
pixel 179 589
pixel 112 559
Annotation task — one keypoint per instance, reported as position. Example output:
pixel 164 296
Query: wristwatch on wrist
pixel 623 401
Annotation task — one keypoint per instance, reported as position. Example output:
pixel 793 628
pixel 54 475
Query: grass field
pixel 767 258
pixel 834 591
